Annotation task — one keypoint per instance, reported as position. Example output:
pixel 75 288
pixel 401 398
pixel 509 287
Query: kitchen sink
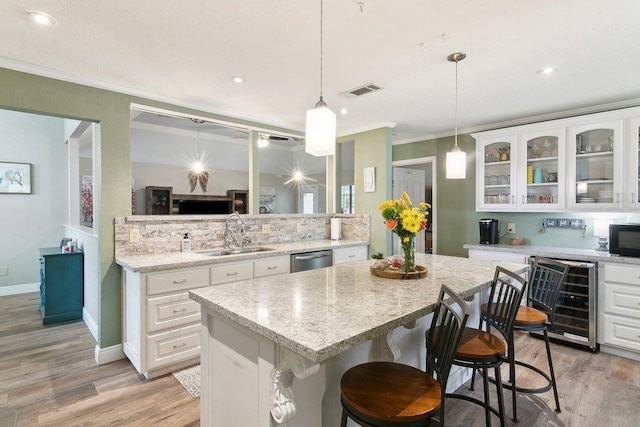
pixel 224 252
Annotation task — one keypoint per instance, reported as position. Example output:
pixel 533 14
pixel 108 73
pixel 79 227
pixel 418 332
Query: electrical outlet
pixel 298 227
pixel 266 228
pixel 134 235
pixel 4 271
pixel 511 227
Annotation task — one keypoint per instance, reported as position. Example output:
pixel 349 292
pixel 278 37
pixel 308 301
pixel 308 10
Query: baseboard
pixel 620 352
pixel 109 354
pixel 19 289
pixel 90 322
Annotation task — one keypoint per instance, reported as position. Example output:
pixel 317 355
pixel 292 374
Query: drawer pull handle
pixel 351 256
pixel 235 273
pixel 272 268
pixel 182 310
pixel 176 282
pixel 180 345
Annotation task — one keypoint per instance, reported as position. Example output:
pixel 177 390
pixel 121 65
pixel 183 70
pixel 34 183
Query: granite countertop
pixel 321 313
pixel 590 255
pixel 172 260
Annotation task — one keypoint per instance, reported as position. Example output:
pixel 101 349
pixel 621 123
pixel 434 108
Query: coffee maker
pixel 489 231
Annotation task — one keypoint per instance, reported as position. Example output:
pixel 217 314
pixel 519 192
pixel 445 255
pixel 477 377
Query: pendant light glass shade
pixel 456 164
pixel 456 167
pixel 320 132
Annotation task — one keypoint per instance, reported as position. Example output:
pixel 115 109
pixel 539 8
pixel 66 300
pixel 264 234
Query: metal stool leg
pixel 485 385
pixel 552 374
pixel 500 396
pixel 512 377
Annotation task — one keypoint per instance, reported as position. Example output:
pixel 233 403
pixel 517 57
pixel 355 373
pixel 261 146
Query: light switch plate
pixel 4 271
pixel 298 227
pixel 266 228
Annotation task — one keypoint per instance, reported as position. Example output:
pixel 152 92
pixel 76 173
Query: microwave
pixel 624 239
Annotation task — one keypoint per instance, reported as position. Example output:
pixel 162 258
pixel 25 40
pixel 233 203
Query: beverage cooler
pixel 575 318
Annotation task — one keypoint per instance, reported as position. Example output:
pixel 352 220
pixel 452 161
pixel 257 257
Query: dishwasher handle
pixel 308 257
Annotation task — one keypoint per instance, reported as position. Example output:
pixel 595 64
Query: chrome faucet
pixel 230 238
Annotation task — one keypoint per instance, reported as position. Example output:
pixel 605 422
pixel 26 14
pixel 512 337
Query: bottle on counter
pixel 186 243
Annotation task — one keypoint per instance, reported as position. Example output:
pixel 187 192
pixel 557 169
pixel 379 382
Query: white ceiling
pixel 187 52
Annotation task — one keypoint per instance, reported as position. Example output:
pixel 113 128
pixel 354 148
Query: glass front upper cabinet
pixel 631 194
pixel 595 166
pixel 495 174
pixel 541 178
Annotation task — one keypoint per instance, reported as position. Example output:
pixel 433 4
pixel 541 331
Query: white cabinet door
pixel 594 168
pixel 495 172
pixel 631 192
pixel 541 170
pixel 354 253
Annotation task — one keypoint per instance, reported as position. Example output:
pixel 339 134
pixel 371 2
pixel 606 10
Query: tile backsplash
pixel 161 234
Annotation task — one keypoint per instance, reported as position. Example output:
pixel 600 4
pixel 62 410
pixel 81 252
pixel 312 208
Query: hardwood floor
pixel 49 377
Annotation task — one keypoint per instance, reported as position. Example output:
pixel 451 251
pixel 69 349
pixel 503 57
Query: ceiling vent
pixel 361 90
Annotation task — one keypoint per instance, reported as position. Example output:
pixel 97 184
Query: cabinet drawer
pixel 622 299
pixel 177 280
pixel 356 253
pixel 231 272
pixel 619 274
pixel 271 266
pixel 620 331
pixel 169 311
pixel 173 346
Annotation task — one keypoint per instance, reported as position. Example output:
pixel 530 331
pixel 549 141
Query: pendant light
pixel 321 121
pixel 456 158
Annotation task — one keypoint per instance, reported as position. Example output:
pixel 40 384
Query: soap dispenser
pixel 186 243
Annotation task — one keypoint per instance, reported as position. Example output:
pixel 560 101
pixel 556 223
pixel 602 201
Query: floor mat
pixel 189 378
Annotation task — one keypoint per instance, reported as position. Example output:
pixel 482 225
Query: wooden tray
pixel 399 274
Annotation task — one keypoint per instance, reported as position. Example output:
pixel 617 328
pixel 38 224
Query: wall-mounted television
pixel 204 207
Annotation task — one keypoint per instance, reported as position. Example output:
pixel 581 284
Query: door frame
pixel 434 207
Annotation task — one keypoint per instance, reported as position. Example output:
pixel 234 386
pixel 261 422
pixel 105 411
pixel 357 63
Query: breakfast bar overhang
pixel 274 348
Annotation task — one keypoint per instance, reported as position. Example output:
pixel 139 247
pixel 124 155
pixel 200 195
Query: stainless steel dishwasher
pixel 311 260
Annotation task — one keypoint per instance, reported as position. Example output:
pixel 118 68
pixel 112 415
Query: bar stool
pixel 547 278
pixel 482 350
pixel 384 394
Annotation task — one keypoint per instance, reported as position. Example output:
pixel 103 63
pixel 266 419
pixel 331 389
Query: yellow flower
pixel 386 204
pixel 406 198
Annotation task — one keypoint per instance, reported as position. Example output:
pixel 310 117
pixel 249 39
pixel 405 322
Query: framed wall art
pixel 370 180
pixel 15 178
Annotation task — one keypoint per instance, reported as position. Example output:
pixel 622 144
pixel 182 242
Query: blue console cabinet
pixel 61 285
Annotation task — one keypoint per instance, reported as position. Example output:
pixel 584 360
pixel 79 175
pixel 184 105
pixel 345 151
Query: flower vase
pixel 409 251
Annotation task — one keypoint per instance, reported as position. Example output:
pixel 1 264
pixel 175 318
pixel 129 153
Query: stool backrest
pixel 449 319
pixel 547 279
pixel 506 294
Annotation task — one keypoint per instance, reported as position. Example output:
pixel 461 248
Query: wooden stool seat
pixel 480 345
pixel 526 316
pixel 529 316
pixel 390 391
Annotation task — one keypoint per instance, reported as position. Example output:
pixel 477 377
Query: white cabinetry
pixel 619 331
pixel 631 194
pixel 350 254
pixel 498 256
pixel 595 165
pixel 161 324
pixel 583 163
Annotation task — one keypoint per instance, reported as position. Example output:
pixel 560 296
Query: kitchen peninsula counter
pixel 172 260
pixel 315 324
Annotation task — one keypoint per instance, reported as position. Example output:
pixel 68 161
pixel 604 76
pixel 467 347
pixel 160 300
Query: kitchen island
pixel 257 335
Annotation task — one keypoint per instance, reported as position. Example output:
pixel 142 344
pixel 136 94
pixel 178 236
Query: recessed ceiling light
pixel 546 71
pixel 40 18
pixel 237 79
pixel 344 111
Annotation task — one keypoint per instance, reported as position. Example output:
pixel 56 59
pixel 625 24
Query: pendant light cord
pixel 456 109
pixel 321 47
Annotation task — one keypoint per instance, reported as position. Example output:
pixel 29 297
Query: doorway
pixel 418 178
